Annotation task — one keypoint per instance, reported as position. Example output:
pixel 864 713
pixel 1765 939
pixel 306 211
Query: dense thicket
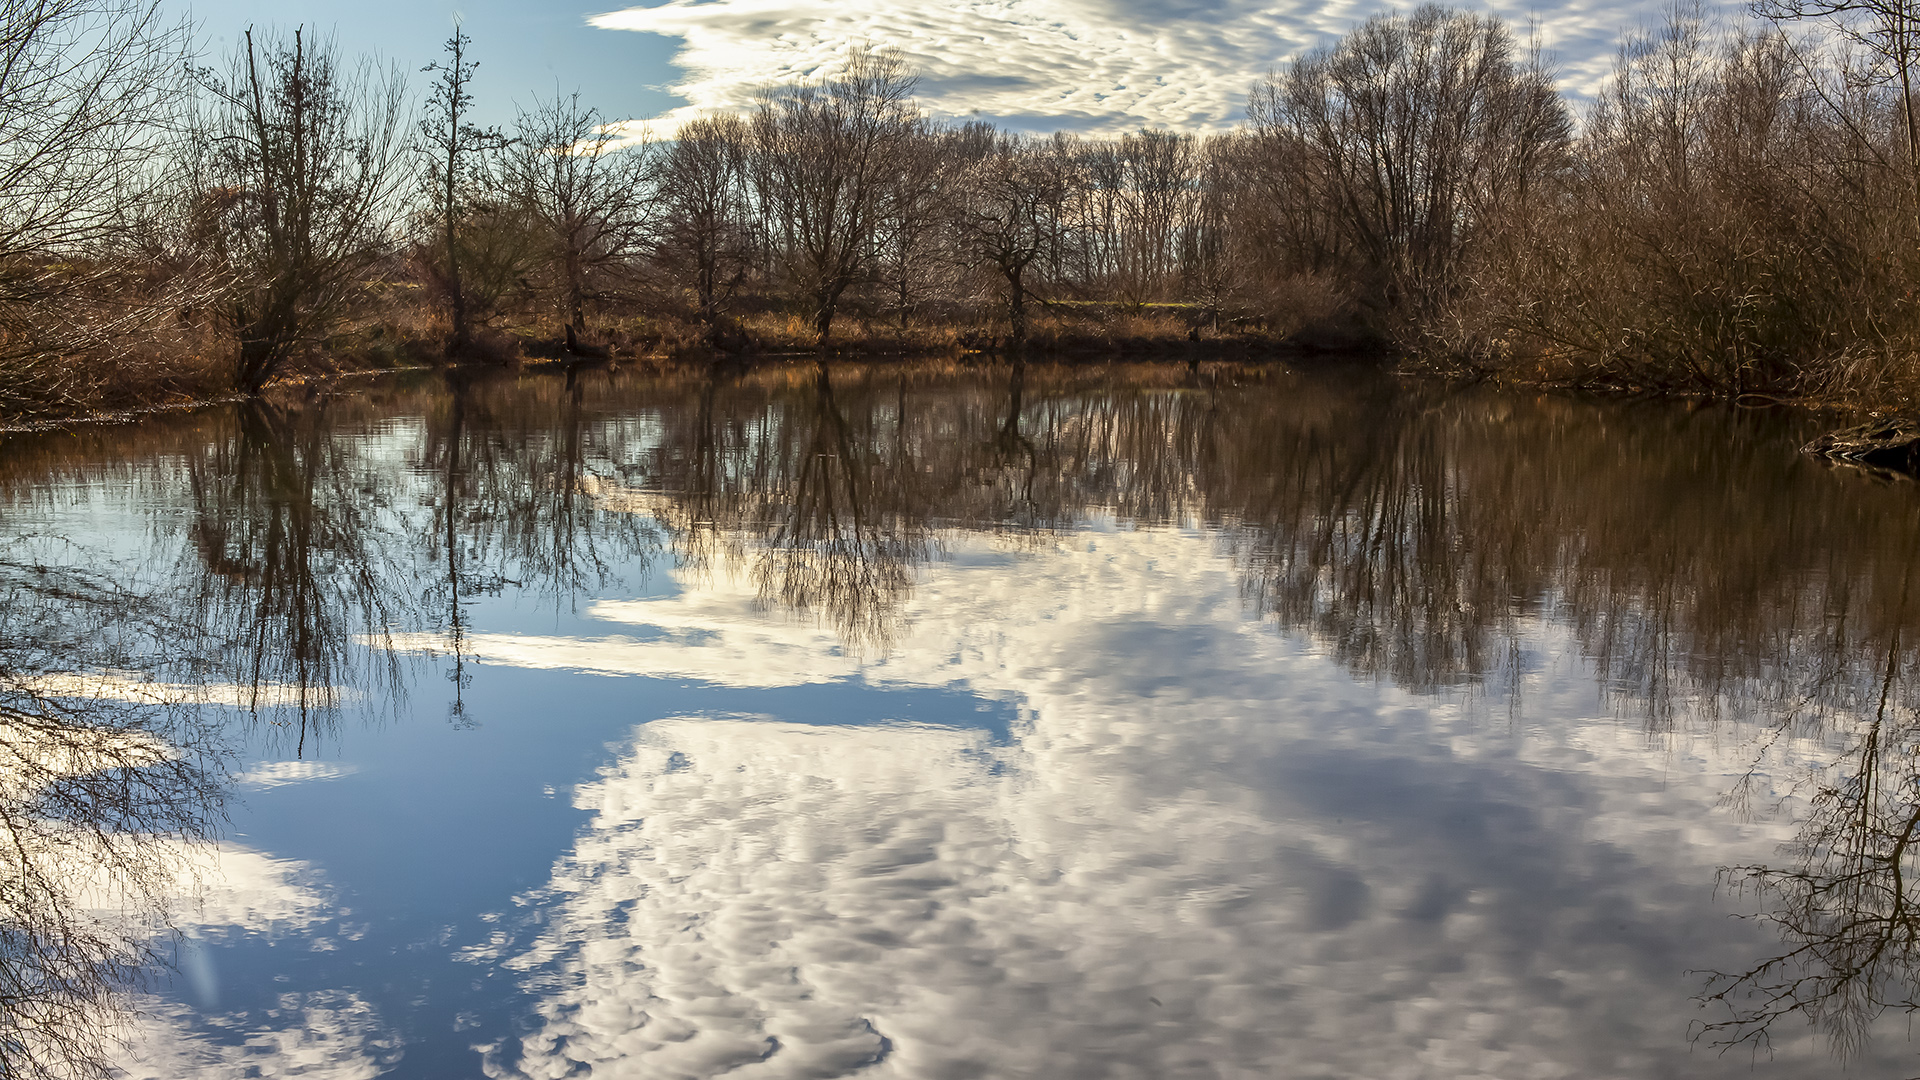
pixel 1736 212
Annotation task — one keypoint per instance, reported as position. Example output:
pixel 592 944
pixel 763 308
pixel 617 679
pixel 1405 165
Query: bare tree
pixel 299 164
pixel 1139 188
pixel 1163 175
pixel 706 238
pixel 907 234
pixel 585 192
pixel 1210 259
pixel 455 149
pixel 1004 217
pixel 824 152
pixel 1421 126
pixel 1063 261
pixel 83 86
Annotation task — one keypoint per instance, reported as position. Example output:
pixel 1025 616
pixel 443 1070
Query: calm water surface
pixel 980 722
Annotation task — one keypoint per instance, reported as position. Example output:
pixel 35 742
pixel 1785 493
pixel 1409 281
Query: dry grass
pixel 172 367
pixel 182 360
pixel 781 332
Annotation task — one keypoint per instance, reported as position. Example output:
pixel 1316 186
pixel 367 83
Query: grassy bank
pixel 195 372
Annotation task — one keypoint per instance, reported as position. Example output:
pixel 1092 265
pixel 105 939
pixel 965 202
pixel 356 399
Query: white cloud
pixel 1071 64
pixel 229 890
pixel 135 688
pixel 243 890
pixel 213 890
pixel 762 655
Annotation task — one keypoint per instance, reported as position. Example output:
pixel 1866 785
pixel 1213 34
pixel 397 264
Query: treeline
pixel 1737 213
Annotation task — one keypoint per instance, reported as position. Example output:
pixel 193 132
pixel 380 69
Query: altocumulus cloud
pixel 1077 65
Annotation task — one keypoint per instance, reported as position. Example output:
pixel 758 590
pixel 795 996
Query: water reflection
pixel 1147 874
pixel 1843 904
pixel 288 564
pixel 107 782
pixel 838 546
pixel 1145 862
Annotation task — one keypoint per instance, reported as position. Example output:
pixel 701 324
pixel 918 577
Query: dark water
pixel 1128 722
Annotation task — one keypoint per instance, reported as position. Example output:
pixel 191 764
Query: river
pixel 957 721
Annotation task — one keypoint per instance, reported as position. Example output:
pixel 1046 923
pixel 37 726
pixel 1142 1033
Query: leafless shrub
pixel 85 87
pixel 1732 226
pixel 583 190
pixel 297 164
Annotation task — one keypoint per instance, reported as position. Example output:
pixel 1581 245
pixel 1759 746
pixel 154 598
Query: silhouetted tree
pixel 823 155
pixel 584 189
pixel 307 161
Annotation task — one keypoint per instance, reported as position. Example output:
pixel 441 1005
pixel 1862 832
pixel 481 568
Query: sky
pixel 1092 66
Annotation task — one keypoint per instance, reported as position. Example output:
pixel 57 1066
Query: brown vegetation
pixel 1736 214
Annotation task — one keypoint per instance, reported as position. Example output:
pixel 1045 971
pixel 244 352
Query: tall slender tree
pixel 455 150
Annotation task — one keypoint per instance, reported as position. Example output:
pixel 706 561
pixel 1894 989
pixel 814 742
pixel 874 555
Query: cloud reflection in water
pixel 1207 850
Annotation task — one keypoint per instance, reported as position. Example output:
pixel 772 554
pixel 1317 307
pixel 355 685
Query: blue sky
pixel 525 50
pixel 1086 65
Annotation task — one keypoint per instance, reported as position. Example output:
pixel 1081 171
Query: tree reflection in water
pixel 104 773
pixel 834 548
pixel 1712 580
pixel 284 521
pixel 1847 906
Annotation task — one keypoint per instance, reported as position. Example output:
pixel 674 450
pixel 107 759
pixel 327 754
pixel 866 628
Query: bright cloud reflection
pixel 320 1036
pixel 1205 850
pixel 324 1035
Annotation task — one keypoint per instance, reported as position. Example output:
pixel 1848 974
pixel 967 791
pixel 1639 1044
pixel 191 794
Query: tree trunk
pixel 1017 306
pixel 576 294
pixel 823 323
pixel 827 303
pixel 257 363
pixel 457 344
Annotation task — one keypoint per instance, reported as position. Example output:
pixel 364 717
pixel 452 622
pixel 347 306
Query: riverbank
pixel 402 338
pixel 533 353
pixel 194 373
